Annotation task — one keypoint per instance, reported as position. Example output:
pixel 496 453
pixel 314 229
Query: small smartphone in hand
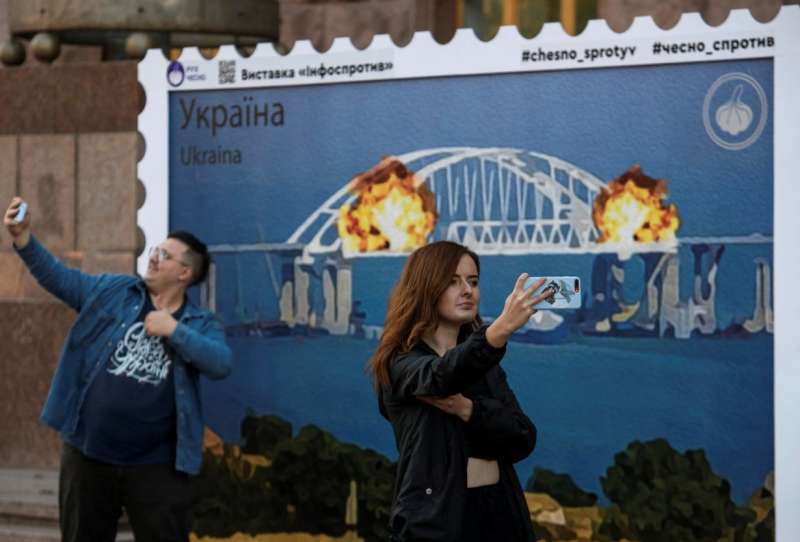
pixel 565 292
pixel 21 212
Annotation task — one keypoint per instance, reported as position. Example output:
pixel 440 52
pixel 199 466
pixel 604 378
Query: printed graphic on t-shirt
pixel 141 357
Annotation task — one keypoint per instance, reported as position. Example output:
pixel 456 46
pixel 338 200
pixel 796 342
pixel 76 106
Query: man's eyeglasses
pixel 160 255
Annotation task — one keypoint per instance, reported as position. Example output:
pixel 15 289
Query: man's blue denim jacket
pixel 107 305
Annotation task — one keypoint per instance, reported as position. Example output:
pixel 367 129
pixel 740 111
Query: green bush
pixel 765 530
pixel 664 496
pixel 559 486
pixel 312 474
pixel 260 434
pixel 305 488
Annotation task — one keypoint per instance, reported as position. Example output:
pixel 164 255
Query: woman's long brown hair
pixel 412 313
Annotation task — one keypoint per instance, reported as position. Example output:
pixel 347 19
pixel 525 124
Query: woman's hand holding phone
pixel 519 307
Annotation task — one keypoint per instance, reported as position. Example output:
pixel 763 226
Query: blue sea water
pixel 589 398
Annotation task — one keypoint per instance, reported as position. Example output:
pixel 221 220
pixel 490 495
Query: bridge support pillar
pixel 337 288
pixel 762 312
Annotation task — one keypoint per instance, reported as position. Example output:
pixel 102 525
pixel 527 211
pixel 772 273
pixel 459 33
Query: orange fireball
pixel 393 211
pixel 630 209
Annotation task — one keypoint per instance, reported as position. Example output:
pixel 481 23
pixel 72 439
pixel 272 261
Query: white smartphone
pixel 565 292
pixel 21 211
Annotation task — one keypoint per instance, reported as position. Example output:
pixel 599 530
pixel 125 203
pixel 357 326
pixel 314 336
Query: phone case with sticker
pixel 566 292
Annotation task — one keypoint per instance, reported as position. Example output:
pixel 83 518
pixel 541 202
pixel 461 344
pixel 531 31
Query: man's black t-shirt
pixel 128 416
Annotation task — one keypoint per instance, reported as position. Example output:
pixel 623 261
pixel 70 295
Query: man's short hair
pixel 196 253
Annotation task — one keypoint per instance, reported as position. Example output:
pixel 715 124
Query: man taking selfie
pixel 125 396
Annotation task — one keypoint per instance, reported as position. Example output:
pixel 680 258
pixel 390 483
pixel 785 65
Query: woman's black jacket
pixel 431 485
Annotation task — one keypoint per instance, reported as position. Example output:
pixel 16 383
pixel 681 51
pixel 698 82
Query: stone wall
pixel 68 145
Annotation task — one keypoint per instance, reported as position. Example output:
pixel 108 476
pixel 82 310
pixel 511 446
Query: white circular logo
pixel 175 73
pixel 735 111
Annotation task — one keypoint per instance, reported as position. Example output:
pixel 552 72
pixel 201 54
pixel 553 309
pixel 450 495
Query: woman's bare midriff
pixel 482 472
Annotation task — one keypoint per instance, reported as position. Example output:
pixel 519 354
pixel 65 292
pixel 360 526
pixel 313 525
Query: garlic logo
pixel 735 116
pixel 738 102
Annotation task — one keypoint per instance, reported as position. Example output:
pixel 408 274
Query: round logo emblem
pixel 735 111
pixel 175 73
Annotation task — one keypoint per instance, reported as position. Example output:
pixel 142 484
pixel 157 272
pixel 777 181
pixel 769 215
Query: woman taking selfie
pixel 458 427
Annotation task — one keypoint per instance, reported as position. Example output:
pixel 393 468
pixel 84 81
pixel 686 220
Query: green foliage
pixel 765 530
pixel 223 503
pixel 260 434
pixel 658 494
pixel 541 533
pixel 305 488
pixel 312 472
pixel 615 526
pixel 561 487
pixel 664 496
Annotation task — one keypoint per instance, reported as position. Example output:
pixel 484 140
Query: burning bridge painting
pixel 609 175
pixel 506 202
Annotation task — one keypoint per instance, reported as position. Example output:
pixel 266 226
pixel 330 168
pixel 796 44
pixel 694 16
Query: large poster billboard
pixel 655 165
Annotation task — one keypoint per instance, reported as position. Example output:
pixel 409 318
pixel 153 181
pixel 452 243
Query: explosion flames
pixel 630 209
pixel 393 211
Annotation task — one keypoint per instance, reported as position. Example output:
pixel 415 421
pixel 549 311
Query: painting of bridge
pixel 510 202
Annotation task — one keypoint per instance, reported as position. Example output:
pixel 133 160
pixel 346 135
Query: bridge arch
pixel 494 200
